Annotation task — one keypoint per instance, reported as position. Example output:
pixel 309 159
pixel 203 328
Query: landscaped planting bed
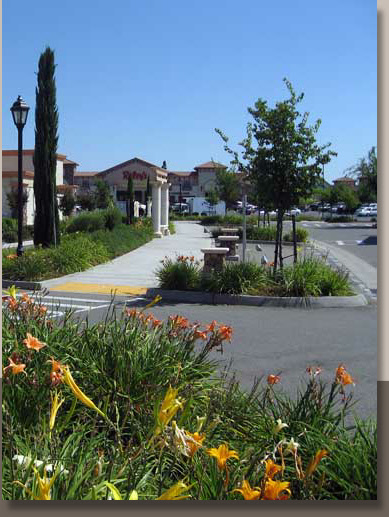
pixel 132 408
pixel 88 240
pixel 310 276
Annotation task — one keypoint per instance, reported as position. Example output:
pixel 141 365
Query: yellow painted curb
pixel 100 288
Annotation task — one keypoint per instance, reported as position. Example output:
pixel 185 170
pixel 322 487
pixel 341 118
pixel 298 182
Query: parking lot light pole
pixel 19 112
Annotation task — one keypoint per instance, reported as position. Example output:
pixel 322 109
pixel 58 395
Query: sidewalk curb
pixel 257 301
pixel 20 284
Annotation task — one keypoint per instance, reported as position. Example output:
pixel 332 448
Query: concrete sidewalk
pixel 134 272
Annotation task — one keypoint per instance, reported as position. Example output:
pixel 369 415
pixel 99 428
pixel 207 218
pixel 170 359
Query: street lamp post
pixel 19 112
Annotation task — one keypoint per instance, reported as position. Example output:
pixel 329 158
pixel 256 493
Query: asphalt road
pixel 359 240
pixel 270 340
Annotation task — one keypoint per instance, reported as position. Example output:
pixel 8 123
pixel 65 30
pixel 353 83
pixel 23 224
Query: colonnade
pixel 160 208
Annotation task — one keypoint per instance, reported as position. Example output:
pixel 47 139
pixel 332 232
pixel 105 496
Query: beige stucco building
pixel 140 171
pixel 10 180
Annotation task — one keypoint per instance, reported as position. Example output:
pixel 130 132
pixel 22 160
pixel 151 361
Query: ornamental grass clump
pixel 181 274
pixel 162 423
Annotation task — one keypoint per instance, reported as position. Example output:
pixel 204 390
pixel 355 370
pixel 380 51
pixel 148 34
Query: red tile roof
pixel 210 165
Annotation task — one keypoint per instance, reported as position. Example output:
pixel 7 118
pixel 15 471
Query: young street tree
pixel 103 196
pixel 67 203
pixel 285 162
pixel 227 186
pixel 366 172
pixel 46 221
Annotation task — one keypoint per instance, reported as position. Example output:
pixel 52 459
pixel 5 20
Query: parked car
pixel 293 211
pixel 364 211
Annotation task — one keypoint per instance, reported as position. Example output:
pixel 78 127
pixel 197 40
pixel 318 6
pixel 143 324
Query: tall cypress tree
pixel 46 221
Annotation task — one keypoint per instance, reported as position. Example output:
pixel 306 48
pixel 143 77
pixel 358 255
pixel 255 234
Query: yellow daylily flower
pixel 114 491
pixel 169 407
pixel 157 299
pixel 175 492
pixel 68 379
pixel 249 494
pixel 271 469
pixel 276 490
pixel 222 454
pixel 322 453
pixel 11 291
pixel 44 486
pixel 56 403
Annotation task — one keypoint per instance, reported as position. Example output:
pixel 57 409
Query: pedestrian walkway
pixel 134 272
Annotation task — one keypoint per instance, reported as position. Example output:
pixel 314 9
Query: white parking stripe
pixel 340 243
pixel 48 297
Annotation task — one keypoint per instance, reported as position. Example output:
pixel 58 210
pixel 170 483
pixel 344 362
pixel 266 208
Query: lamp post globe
pixel 19 112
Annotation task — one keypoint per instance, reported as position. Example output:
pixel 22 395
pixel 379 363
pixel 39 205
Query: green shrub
pixel 182 274
pixel 32 265
pixel 301 235
pixel 86 222
pixel 235 278
pixel 124 238
pixel 112 217
pixel 209 220
pixel 10 230
pixel 76 253
pixel 339 219
pixel 313 277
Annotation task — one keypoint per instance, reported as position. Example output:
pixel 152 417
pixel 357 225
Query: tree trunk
pixel 276 247
pixel 281 259
pixel 294 239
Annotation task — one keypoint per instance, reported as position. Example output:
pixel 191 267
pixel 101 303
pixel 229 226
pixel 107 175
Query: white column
pixel 156 208
pixel 165 207
pixel 136 208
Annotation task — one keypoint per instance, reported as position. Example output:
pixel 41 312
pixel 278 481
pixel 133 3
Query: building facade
pixel 10 180
pixel 196 183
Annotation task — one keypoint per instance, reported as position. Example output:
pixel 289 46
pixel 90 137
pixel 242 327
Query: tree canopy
pixel 46 220
pixel 280 157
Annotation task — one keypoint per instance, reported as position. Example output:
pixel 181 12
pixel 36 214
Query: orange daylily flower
pixel 276 490
pixel 33 342
pixel 273 379
pixel 13 304
pixel 222 454
pixel 249 493
pixel 179 321
pixel 156 323
pixel 15 367
pixel 225 332
pixel 271 469
pixel 195 442
pixel 322 453
pixel 12 256
pixel 342 376
pixel 211 326
pixel 200 335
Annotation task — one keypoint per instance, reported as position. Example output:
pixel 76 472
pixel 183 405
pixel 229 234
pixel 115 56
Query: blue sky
pixel 153 79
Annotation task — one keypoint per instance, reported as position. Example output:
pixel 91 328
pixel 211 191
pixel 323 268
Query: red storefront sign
pixel 140 176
